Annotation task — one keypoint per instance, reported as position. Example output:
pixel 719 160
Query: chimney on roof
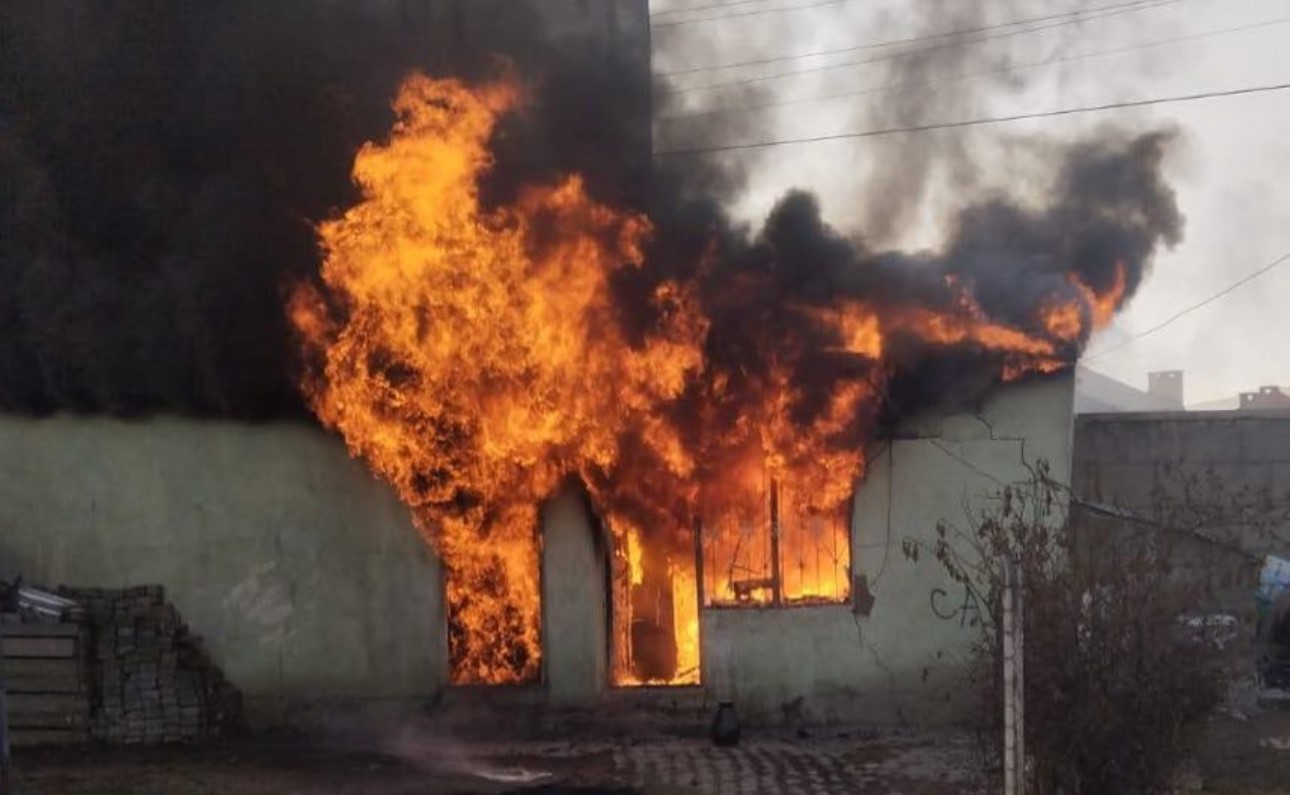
pixel 1166 385
pixel 1268 397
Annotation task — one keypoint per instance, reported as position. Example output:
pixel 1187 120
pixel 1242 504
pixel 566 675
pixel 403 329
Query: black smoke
pixel 1108 212
pixel 163 168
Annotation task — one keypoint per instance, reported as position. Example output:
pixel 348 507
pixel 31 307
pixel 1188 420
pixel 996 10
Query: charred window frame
pixel 780 558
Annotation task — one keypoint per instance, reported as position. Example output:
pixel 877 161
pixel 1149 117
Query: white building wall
pixel 310 585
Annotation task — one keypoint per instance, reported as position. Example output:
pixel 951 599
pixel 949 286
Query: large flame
pixel 471 358
pixel 475 359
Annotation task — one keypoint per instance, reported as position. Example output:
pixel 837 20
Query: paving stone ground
pixel 922 764
pixel 1246 756
pixel 926 765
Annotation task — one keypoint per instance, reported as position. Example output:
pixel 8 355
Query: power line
pixel 908 40
pixel 1284 258
pixel 1103 13
pixel 974 75
pixel 718 17
pixel 708 7
pixel 1142 5
pixel 916 128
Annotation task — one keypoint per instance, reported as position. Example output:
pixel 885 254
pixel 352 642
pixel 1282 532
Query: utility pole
pixel 1014 742
pixel 1019 645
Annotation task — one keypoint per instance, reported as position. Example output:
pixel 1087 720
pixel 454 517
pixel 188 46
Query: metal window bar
pixel 776 579
pixel 775 556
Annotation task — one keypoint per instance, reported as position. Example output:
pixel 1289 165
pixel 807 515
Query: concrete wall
pixel 904 661
pixel 1223 475
pixel 311 586
pixel 301 571
pixel 1127 459
pixel 575 602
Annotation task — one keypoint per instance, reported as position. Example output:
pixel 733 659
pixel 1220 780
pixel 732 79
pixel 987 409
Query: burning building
pixel 618 439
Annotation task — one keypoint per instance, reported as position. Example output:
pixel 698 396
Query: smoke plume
pixel 163 170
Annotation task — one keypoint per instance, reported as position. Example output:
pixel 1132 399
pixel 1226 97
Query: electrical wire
pixel 717 18
pixel 709 7
pixel 1107 13
pixel 1279 261
pixel 908 40
pixel 917 128
pixel 1049 62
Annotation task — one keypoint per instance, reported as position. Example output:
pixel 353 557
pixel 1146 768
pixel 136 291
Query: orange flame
pixel 1069 320
pixel 1104 306
pixel 474 358
pixel 467 368
pixel 1063 321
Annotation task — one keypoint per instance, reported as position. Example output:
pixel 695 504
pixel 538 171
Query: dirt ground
pixel 1249 757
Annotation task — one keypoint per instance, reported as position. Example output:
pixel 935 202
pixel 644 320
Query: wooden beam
pixel 24 704
pixel 20 668
pixel 49 720
pixel 58 648
pixel 28 738
pixel 67 685
pixel 41 630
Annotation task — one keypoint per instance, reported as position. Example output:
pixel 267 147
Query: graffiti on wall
pixel 966 610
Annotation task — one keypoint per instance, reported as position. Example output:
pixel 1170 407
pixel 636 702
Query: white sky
pixel 1232 172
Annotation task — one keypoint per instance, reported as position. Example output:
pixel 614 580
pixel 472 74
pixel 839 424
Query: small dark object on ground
pixel 725 726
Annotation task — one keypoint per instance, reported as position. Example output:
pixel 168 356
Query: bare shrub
pixel 1124 657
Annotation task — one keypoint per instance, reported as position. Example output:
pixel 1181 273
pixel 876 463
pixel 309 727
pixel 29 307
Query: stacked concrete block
pixel 155 683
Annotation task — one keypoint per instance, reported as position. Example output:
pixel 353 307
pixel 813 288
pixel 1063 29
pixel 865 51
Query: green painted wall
pixel 301 571
pixel 904 661
pixel 313 590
